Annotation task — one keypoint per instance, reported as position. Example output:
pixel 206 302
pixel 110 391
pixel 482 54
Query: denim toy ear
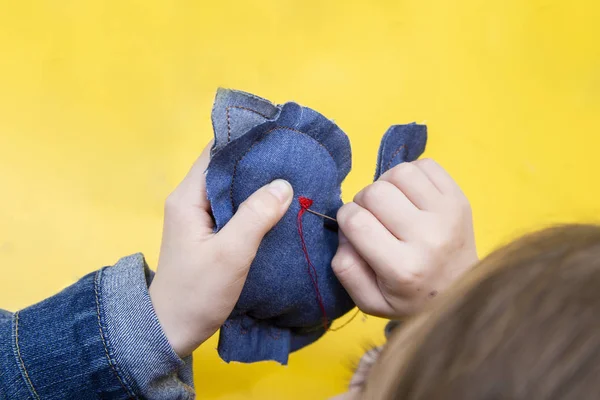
pixel 235 113
pixel 401 143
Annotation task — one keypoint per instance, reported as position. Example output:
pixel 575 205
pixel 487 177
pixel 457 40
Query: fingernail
pixel 281 189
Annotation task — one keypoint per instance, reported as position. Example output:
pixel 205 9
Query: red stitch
pixel 394 155
pixel 305 203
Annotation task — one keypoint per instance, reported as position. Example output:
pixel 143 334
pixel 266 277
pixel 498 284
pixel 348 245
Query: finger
pixel 254 218
pixel 414 184
pixel 372 241
pixel 192 190
pixel 390 206
pixel 438 176
pixel 359 280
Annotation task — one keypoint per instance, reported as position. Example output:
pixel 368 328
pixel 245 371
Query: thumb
pixel 255 217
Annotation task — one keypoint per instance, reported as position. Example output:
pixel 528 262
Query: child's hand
pixel 405 238
pixel 201 274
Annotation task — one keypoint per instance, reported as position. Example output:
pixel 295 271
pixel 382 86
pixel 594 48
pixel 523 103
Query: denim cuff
pixel 133 333
pixel 98 338
pixel 59 349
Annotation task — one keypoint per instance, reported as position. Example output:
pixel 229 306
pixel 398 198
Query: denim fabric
pixel 99 338
pixel 138 341
pixel 255 143
pixel 401 143
pixel 5 314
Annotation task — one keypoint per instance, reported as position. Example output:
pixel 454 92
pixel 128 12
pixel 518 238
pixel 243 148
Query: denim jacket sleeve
pixel 97 339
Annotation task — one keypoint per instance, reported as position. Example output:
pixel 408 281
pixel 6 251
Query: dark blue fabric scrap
pixel 255 143
pixel 401 143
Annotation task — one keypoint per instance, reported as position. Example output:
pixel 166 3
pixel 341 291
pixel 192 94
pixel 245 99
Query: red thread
pixel 394 155
pixel 347 322
pixel 305 203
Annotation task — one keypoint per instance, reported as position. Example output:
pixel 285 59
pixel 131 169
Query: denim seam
pixel 380 154
pixel 257 142
pixel 17 350
pixel 111 362
pixel 394 155
pixel 229 120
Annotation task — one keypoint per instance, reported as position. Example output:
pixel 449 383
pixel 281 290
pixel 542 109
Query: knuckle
pixel 372 194
pixel 344 213
pixel 414 271
pixel 359 197
pixel 461 208
pixel 460 201
pixel 427 162
pixel 405 278
pixel 437 242
pixel 343 262
pixel 351 217
pixel 403 172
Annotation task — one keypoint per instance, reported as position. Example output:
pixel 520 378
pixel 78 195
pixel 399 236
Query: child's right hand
pixel 404 239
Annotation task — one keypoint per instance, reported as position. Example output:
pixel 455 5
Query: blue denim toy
pixel 255 143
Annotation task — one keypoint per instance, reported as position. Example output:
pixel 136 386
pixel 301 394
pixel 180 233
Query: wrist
pixel 167 306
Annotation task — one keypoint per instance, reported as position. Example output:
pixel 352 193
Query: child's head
pixel 524 324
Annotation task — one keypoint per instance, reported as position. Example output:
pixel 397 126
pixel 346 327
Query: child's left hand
pixel 201 273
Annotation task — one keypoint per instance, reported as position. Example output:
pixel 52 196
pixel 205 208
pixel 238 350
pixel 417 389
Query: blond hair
pixel 524 324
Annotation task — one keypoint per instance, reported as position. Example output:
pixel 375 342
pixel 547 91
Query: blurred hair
pixel 523 324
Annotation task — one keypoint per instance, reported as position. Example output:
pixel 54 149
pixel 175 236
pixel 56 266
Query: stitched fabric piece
pixel 401 143
pixel 255 143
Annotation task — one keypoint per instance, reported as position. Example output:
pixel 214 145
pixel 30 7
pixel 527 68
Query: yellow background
pixel 105 104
